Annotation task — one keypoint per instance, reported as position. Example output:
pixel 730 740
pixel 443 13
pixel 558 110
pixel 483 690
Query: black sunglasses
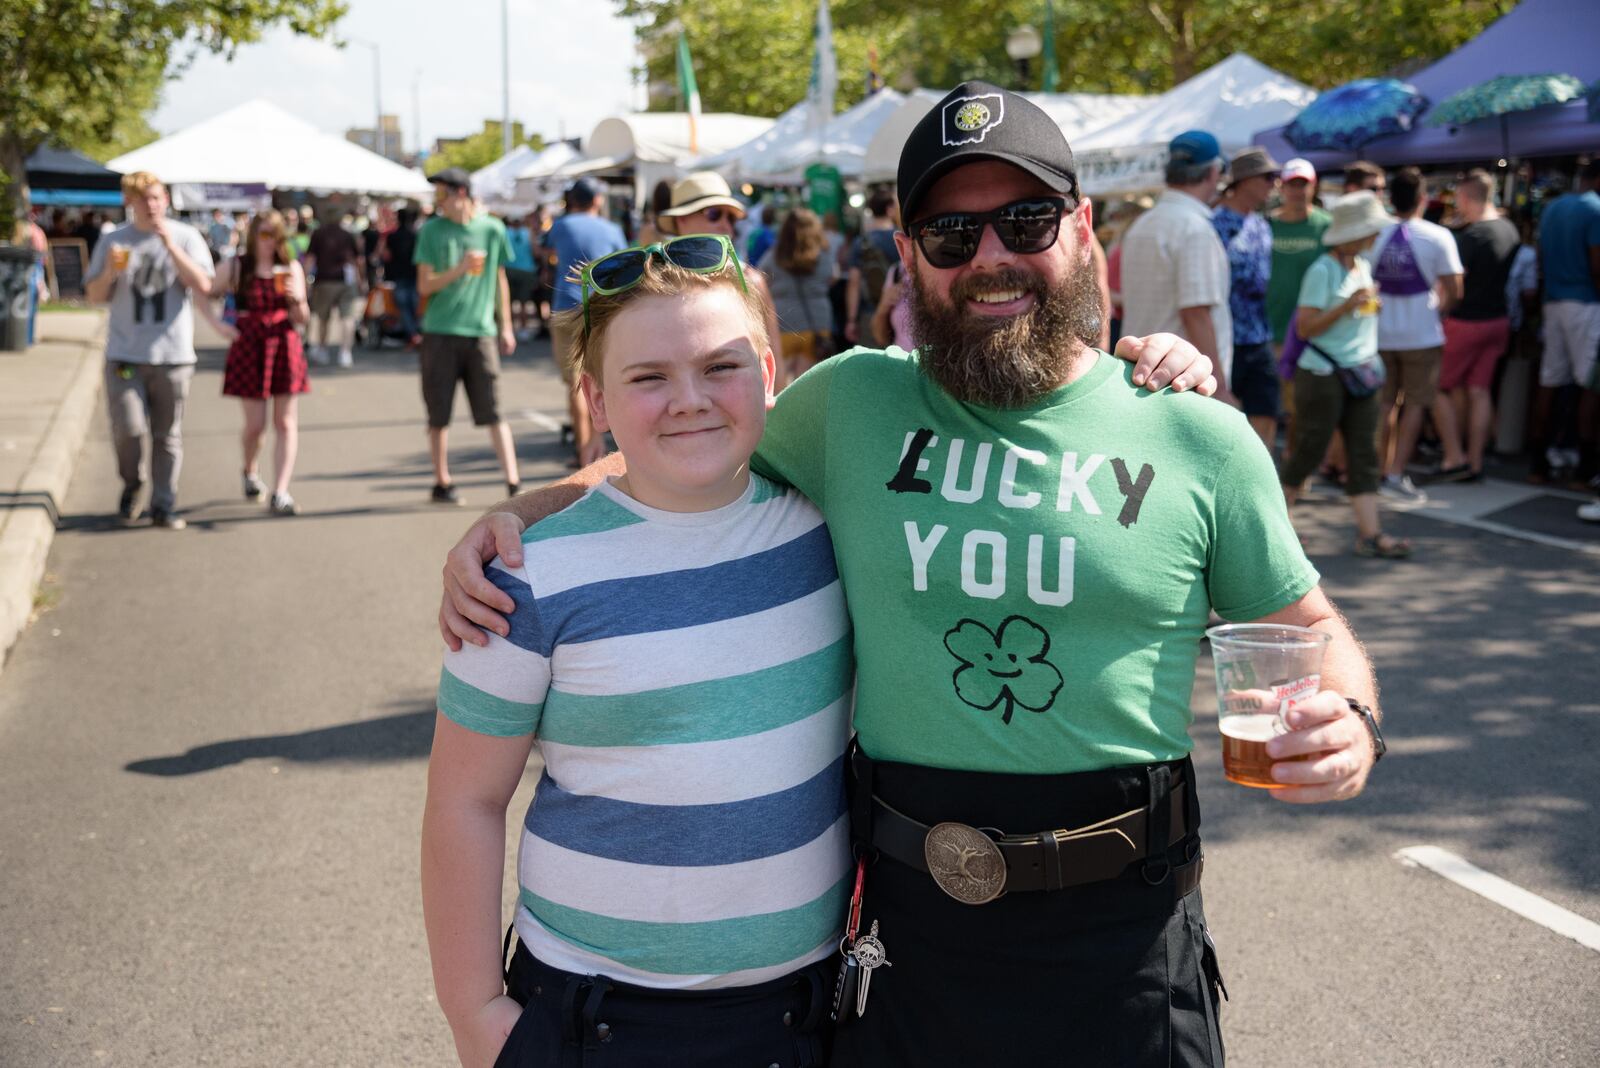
pixel 1023 226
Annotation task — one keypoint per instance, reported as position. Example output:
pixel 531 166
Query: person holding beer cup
pixel 266 359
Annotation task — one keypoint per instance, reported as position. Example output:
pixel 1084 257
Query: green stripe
pixel 593 514
pixel 766 490
pixel 734 707
pixel 713 947
pixel 485 713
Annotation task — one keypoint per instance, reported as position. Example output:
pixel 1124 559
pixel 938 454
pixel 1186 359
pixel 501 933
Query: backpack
pixel 874 270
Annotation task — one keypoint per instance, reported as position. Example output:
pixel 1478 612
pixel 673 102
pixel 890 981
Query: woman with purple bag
pixel 1339 375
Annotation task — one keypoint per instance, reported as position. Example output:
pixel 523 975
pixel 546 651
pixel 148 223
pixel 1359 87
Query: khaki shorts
pixel 563 339
pixel 325 296
pixel 1413 373
pixel 446 360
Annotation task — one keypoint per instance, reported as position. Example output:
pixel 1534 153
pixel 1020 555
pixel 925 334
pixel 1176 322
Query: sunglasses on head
pixel 621 271
pixel 1023 226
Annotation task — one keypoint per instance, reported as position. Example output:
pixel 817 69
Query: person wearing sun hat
pixel 702 203
pixel 1337 382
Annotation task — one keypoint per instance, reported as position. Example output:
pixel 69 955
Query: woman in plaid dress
pixel 267 358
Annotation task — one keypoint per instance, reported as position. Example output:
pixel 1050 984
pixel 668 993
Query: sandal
pixel 1383 547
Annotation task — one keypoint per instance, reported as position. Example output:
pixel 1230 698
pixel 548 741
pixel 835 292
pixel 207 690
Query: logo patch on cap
pixel 968 119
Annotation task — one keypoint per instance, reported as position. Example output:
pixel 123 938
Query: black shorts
pixel 447 359
pixel 1119 972
pixel 1255 379
pixel 784 1021
pixel 524 285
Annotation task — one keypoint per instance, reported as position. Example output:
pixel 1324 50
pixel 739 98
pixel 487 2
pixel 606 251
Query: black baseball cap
pixel 978 121
pixel 454 177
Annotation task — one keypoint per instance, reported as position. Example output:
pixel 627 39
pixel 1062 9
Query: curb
pixel 26 535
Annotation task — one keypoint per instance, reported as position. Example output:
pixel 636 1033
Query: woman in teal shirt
pixel 1337 316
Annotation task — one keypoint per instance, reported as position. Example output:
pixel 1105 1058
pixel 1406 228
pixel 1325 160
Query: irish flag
pixel 688 91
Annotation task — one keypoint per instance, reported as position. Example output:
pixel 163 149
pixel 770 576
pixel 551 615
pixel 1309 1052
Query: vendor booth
pixel 645 147
pixel 1230 101
pixel 60 176
pixel 258 144
pixel 780 155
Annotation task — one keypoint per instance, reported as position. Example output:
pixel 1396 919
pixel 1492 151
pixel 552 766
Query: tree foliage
pixel 480 149
pixel 83 72
pixel 756 58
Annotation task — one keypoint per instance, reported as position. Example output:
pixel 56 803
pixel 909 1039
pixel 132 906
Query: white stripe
pixel 539 419
pixel 660 894
pixel 652 548
pixel 559 953
pixel 501 670
pixel 635 663
pixel 1508 895
pixel 704 773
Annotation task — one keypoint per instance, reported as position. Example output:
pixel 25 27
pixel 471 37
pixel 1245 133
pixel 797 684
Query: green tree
pixel 478 150
pixel 756 58
pixel 83 72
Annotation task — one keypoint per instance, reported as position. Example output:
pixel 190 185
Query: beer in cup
pixel 1370 306
pixel 475 258
pixel 119 257
pixel 1261 669
pixel 280 279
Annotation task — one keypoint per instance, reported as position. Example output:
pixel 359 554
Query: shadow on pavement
pixel 1491 689
pixel 402 736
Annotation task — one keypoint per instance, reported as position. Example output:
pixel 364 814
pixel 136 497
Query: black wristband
pixel 1368 720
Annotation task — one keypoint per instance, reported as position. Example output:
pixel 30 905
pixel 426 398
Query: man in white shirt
pixel 1175 274
pixel 1418 271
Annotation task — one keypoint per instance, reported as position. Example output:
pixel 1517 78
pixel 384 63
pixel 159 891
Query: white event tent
pixel 1075 113
pixel 260 144
pixel 654 145
pixel 496 184
pixel 780 155
pixel 1231 101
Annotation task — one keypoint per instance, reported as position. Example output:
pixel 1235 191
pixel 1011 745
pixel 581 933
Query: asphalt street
pixel 213 747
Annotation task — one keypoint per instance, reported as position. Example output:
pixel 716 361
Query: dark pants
pixel 586 1021
pixel 1321 406
pixel 1116 973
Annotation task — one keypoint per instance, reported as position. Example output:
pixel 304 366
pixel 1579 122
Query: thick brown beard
pixel 1005 362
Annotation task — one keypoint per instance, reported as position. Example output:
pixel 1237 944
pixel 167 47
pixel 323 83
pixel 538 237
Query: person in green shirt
pixel 461 261
pixel 1030 549
pixel 1297 227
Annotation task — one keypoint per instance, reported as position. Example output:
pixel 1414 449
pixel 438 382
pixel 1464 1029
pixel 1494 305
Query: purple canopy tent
pixel 1536 37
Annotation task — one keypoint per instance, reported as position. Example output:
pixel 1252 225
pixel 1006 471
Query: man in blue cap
pixel 1175 275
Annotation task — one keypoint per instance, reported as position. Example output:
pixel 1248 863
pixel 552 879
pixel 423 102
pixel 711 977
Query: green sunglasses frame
pixel 649 252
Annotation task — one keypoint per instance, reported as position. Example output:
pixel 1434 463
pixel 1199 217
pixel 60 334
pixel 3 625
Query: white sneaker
pixel 1589 513
pixel 319 355
pixel 1401 488
pixel 345 358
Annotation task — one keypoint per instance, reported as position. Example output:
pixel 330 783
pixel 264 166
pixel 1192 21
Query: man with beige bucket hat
pixel 702 203
pixel 1247 237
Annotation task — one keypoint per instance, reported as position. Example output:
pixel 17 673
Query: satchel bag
pixel 1362 380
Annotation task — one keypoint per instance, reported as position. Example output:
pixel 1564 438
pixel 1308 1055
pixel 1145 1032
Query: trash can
pixel 16 278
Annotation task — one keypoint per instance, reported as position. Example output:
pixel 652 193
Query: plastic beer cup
pixel 119 257
pixel 1261 669
pixel 475 258
pixel 280 280
pixel 1369 306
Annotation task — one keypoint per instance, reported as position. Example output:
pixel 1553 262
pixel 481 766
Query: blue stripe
pixel 688 836
pixel 527 631
pixel 689 598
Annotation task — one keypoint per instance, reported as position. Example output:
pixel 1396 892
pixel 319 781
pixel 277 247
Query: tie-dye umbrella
pixel 1504 96
pixel 1347 118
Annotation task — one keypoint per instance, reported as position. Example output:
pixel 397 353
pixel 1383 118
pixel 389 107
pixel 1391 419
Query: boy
pixel 681 650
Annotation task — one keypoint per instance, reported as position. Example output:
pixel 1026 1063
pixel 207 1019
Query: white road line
pixel 1508 895
pixel 539 419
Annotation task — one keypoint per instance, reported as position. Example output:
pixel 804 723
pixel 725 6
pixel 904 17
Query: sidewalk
pixel 48 395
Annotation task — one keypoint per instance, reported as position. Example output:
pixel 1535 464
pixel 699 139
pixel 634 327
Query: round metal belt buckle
pixel 965 862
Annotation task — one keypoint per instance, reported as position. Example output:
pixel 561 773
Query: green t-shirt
pixel 1029 587
pixel 1295 247
pixel 465 307
pixel 1353 337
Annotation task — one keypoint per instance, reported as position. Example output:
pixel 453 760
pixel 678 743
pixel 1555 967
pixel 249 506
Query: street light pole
pixel 505 77
pixel 1023 45
pixel 377 95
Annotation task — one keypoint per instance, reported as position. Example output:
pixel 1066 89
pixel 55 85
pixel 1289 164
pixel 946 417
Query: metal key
pixel 846 988
pixel 869 954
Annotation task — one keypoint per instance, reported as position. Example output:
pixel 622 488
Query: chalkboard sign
pixel 67 265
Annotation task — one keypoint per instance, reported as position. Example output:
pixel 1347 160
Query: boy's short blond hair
pixel 138 183
pixel 661 279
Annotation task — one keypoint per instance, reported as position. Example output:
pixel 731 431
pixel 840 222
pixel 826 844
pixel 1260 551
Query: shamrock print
pixel 1009 666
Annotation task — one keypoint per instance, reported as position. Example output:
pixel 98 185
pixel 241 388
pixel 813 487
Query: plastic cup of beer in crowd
pixel 475 258
pixel 1369 306
pixel 119 257
pixel 280 279
pixel 1261 670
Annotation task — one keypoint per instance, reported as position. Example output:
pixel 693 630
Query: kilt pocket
pixel 1196 987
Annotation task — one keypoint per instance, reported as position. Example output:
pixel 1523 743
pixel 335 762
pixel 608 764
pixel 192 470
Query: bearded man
pixel 1030 548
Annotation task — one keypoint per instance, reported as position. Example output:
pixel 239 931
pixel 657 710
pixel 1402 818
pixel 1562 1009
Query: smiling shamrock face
pixel 1009 666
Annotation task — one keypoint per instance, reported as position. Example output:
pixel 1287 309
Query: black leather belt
pixel 977 865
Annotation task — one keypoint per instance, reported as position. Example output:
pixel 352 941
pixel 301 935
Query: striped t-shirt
pixel 688 677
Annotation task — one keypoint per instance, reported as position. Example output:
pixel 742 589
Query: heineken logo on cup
pixel 968 119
